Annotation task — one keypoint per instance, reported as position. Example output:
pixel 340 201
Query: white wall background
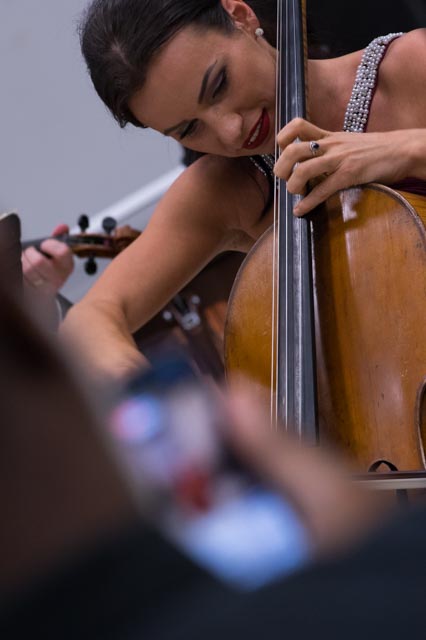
pixel 61 151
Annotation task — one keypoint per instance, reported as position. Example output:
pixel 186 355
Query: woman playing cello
pixel 203 73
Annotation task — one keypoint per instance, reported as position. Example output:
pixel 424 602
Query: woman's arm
pixel 193 223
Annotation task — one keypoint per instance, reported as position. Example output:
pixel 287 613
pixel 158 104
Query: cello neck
pixel 295 379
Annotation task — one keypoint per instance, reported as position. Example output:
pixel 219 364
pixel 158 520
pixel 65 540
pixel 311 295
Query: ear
pixel 242 15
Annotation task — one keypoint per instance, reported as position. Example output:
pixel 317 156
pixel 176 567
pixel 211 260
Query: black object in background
pixel 10 251
pixel 342 26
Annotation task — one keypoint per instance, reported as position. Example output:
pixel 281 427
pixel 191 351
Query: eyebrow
pixel 200 98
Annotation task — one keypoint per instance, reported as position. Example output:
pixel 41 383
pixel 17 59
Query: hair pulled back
pixel 119 39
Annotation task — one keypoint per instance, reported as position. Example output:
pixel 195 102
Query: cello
pixel 336 333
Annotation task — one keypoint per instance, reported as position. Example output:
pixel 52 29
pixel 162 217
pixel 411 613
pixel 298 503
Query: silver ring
pixel 314 147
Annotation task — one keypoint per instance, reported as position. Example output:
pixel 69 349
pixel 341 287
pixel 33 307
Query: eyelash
pixel 220 88
pixel 189 130
pixel 223 83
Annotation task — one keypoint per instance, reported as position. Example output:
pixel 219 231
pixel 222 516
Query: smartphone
pixel 167 428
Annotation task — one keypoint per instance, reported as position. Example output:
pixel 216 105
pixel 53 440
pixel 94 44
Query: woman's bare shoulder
pixel 229 192
pixel 414 39
pixel 403 79
pixel 406 57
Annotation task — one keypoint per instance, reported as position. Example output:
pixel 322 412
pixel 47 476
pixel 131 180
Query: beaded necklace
pixel 265 164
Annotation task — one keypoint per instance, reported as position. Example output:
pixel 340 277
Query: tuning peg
pixel 108 225
pixel 90 266
pixel 83 222
pixel 167 315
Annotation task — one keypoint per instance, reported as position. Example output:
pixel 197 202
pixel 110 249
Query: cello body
pixel 369 290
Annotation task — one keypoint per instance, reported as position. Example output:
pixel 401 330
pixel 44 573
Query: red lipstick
pixel 259 133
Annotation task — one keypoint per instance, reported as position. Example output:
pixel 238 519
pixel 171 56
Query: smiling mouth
pixel 259 133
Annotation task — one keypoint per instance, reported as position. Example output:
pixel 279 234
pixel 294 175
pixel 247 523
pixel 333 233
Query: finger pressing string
pixel 299 128
pixel 298 153
pixel 319 194
pixel 305 172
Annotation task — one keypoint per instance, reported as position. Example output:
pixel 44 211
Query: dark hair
pixel 119 39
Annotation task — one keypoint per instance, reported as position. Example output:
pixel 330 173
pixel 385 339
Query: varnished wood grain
pixel 369 248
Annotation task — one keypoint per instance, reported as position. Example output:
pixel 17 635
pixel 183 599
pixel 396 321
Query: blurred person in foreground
pixel 78 560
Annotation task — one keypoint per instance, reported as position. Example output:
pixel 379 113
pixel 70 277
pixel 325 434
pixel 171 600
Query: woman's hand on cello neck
pixel 339 160
pixel 394 149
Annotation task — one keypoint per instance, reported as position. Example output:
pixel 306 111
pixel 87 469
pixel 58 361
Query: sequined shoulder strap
pixel 358 109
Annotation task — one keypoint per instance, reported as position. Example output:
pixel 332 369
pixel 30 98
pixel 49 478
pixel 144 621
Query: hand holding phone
pixel 169 430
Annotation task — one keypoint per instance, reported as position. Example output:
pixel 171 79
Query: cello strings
pixel 276 247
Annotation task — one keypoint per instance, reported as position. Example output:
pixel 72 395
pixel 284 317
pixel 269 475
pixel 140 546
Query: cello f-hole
pixel 421 418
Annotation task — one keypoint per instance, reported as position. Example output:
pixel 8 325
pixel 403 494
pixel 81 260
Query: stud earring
pixel 259 32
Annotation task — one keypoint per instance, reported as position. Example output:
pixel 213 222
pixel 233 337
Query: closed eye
pixel 189 130
pixel 222 83
pixel 219 88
